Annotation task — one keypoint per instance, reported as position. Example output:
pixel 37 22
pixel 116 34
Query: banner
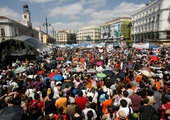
pixel 141 45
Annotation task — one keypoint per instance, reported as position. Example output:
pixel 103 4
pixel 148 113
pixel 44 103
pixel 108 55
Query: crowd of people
pixel 88 84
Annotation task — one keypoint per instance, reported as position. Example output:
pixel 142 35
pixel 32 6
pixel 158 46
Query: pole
pixel 53 33
pixel 46 24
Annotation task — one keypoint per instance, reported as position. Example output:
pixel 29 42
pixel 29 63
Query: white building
pixel 10 28
pixel 26 17
pixel 88 33
pixel 152 22
pixel 65 36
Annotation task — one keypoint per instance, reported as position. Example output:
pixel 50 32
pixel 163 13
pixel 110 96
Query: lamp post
pixel 46 24
pixel 53 32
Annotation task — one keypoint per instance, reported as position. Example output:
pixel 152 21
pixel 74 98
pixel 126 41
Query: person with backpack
pixel 36 108
pixel 147 112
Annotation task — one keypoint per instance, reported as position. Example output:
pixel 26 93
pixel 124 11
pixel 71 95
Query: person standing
pixel 136 101
pixel 56 89
pixel 70 110
pixel 106 103
pixel 157 96
pixel 81 100
pixel 87 109
pixel 61 102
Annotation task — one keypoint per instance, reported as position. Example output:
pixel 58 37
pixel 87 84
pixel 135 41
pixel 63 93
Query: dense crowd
pixel 88 84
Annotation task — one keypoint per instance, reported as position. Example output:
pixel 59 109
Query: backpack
pixel 34 111
pixel 149 113
pixel 130 116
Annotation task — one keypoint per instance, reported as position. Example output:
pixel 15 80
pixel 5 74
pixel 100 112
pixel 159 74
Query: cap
pixel 58 83
pixel 105 89
pixel 72 100
pixel 122 114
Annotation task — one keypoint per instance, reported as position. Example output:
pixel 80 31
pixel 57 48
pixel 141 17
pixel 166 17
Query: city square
pixel 113 67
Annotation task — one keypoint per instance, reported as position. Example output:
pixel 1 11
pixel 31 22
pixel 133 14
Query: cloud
pixel 123 10
pixel 127 9
pixel 89 15
pixel 68 26
pixel 68 10
pixel 7 12
pixel 94 3
pixel 36 1
pixel 88 10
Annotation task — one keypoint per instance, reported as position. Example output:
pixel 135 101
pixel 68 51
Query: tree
pixel 129 43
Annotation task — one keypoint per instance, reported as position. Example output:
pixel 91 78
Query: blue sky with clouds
pixel 70 14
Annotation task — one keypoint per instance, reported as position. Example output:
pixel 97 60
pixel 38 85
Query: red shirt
pixel 80 101
pixel 163 108
pixel 64 116
pixel 40 104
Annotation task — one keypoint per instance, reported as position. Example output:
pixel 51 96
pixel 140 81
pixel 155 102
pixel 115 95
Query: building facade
pixel 88 33
pixel 65 37
pixel 116 29
pixel 10 28
pixel 152 23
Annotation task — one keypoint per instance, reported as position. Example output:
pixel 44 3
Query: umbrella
pixel 146 73
pixel 67 84
pixel 68 62
pixel 121 75
pixel 20 69
pixel 78 69
pixel 101 75
pixel 60 58
pixel 50 66
pixel 11 113
pixel 45 79
pixel 99 63
pixel 91 61
pixel 58 77
pixel 39 58
pixel 82 59
pixel 40 72
pixel 51 75
pixel 108 68
pixel 91 70
pixel 71 69
pixel 156 67
pixel 154 58
pixel 146 68
pixel 109 73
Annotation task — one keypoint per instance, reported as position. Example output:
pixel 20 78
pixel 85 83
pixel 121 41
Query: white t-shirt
pixel 85 113
pixel 129 102
pixel 56 93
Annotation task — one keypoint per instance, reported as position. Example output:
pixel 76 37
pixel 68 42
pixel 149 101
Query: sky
pixel 70 14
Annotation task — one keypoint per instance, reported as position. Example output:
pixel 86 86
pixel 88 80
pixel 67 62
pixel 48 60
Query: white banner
pixel 141 45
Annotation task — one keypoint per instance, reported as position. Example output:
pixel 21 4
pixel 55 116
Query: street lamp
pixel 46 24
pixel 53 32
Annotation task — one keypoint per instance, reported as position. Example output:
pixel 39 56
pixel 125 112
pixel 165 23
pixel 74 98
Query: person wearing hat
pixel 121 115
pixel 56 89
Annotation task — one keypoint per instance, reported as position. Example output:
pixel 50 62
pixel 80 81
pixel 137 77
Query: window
pixel 157 19
pixel 25 16
pixel 2 32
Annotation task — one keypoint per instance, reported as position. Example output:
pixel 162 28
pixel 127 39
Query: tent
pixel 21 45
